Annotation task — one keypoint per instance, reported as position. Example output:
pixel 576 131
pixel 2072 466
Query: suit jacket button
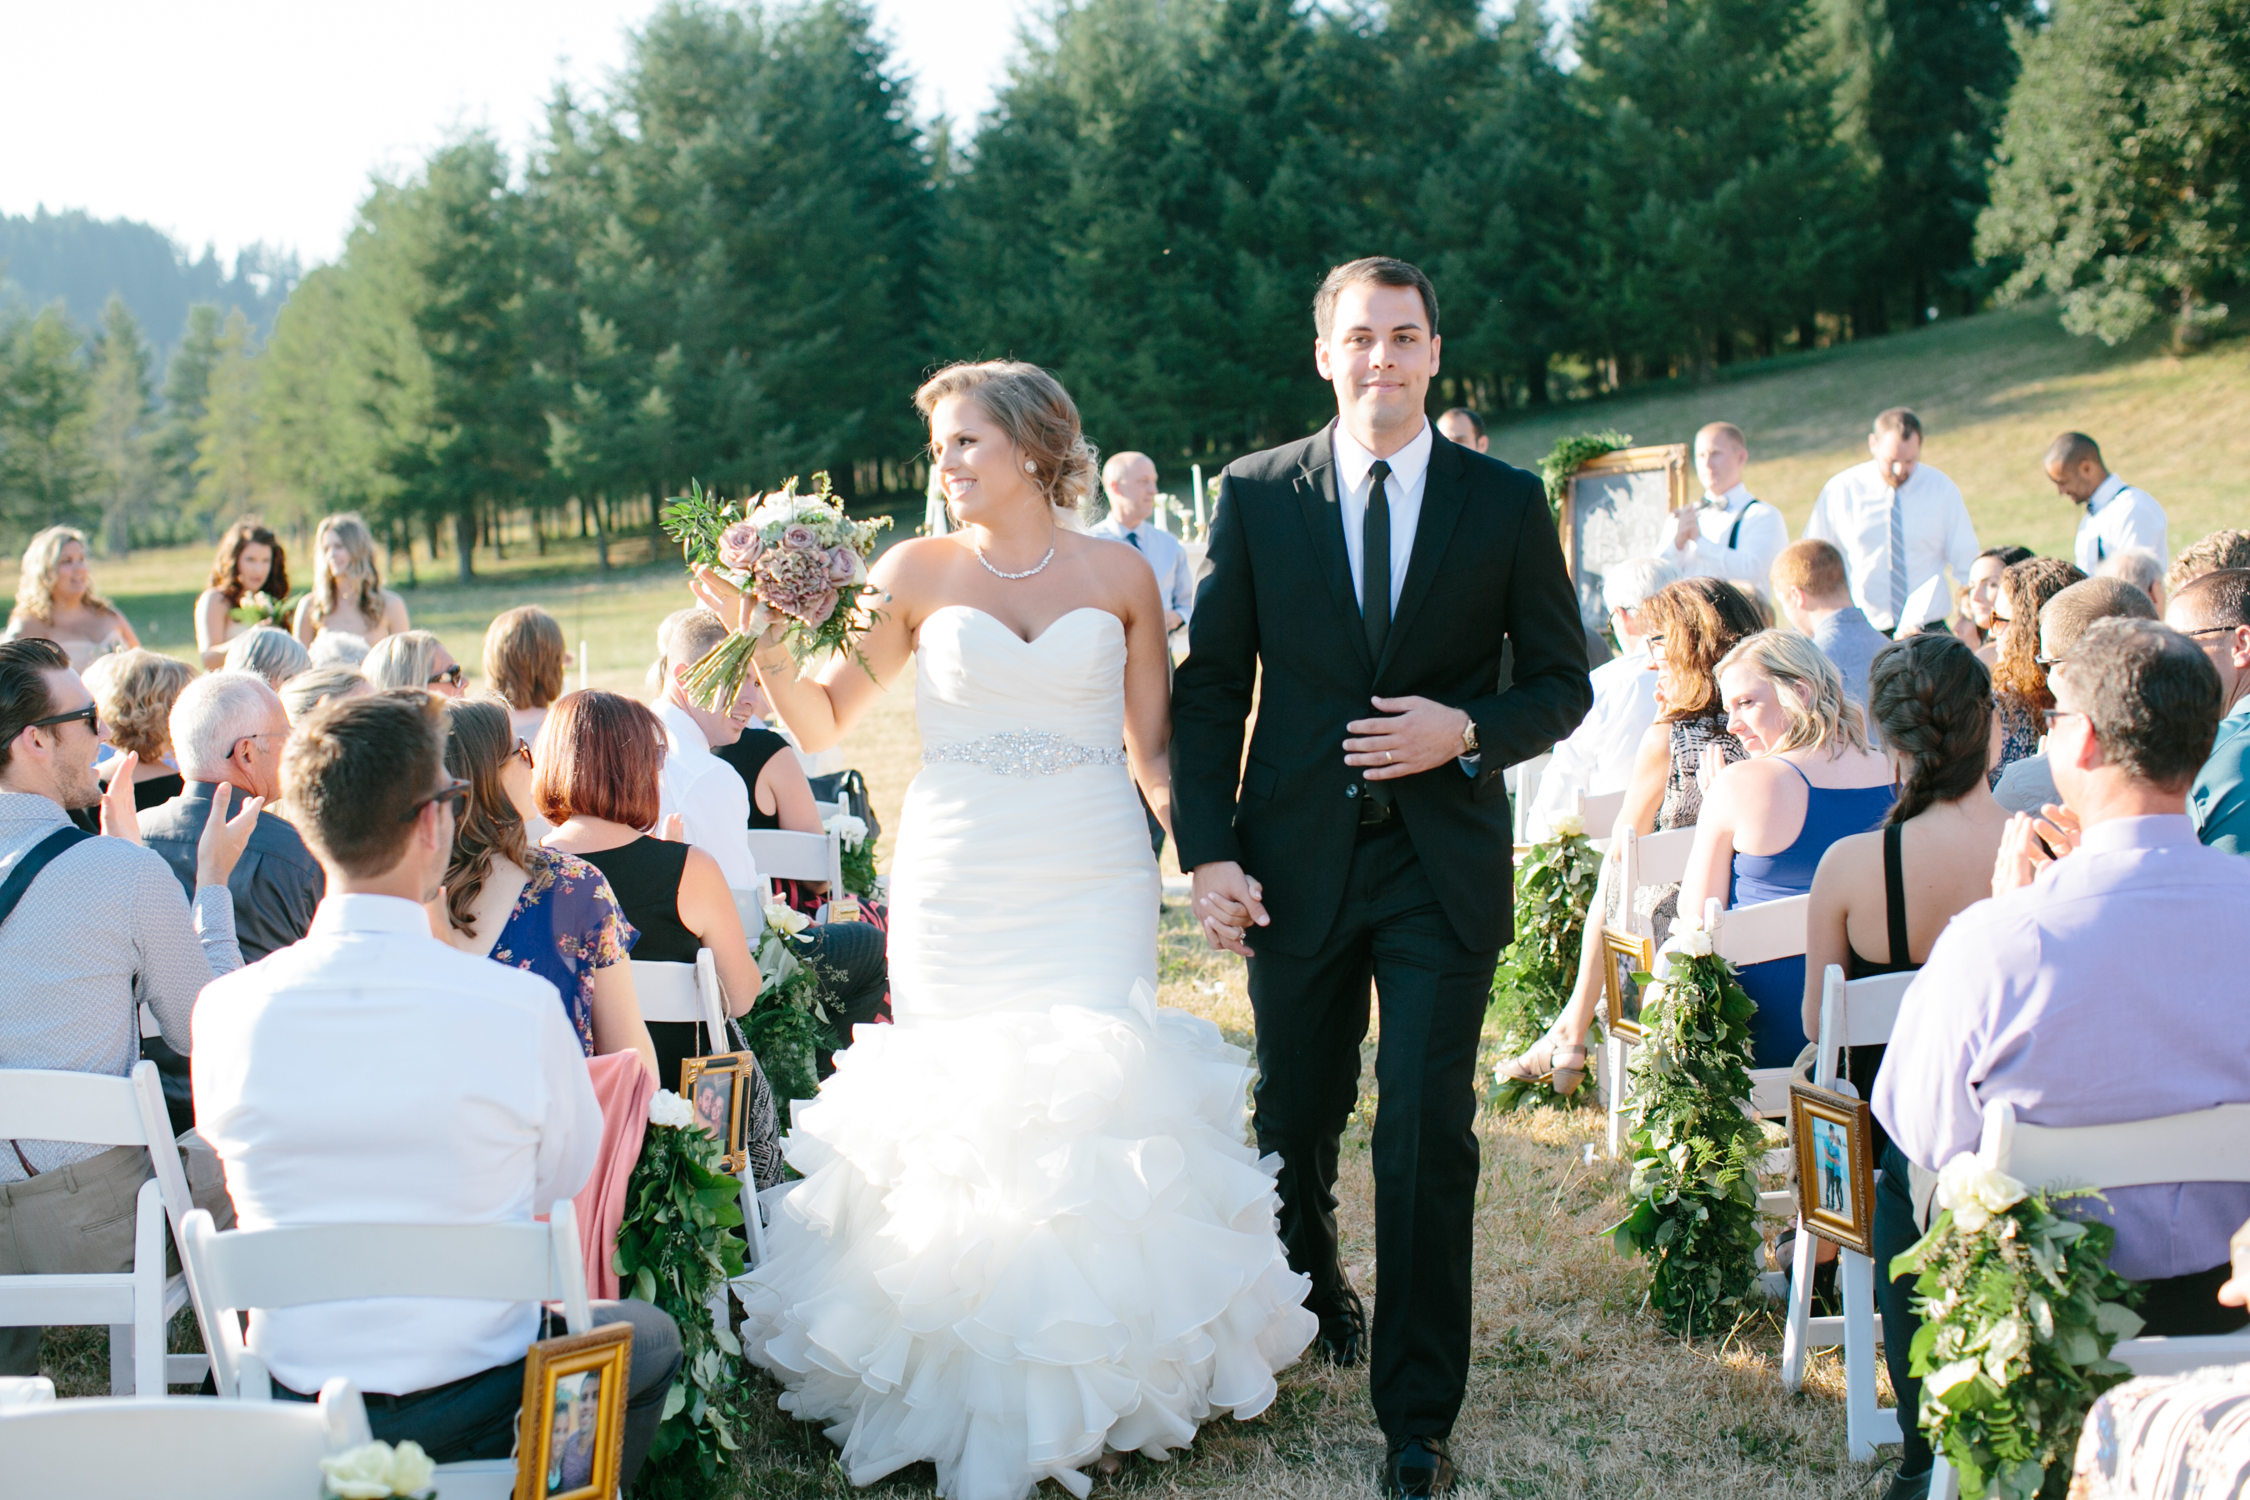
pixel 1352 790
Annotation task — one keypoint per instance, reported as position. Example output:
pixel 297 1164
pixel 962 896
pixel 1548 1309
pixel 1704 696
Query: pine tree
pixel 228 477
pixel 2123 164
pixel 45 471
pixel 187 384
pixel 120 429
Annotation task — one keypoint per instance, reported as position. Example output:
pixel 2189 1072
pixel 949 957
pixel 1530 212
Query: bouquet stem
pixel 717 677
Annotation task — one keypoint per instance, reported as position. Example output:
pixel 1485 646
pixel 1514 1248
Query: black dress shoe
pixel 1343 1330
pixel 1909 1486
pixel 1417 1467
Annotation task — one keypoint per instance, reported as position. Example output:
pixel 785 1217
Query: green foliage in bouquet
pixel 1564 458
pixel 675 1247
pixel 262 608
pixel 1694 1151
pixel 1554 886
pixel 2020 1311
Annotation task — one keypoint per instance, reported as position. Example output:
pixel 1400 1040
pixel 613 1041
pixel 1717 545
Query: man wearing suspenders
pixel 1729 534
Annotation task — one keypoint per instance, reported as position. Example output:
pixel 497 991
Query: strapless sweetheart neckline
pixel 1052 625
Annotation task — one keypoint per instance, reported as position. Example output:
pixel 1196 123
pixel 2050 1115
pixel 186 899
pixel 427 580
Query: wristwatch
pixel 1469 740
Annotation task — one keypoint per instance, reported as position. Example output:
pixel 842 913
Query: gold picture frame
pixel 1626 956
pixel 570 1436
pixel 1833 1135
pixel 1615 508
pixel 718 1090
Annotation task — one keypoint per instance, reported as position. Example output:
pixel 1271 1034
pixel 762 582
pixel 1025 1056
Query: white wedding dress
pixel 1029 1228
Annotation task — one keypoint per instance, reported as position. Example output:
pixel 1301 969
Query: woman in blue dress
pixel 1810 781
pixel 532 908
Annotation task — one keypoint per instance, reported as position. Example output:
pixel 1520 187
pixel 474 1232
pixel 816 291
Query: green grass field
pixel 1573 1388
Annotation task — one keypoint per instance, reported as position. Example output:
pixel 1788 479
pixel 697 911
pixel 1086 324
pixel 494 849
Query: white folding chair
pixel 782 855
pixel 2203 1145
pixel 691 992
pixel 1757 934
pixel 1853 1013
pixel 98 1110
pixel 1597 814
pixel 827 810
pixel 1642 860
pixel 1522 781
pixel 112 1449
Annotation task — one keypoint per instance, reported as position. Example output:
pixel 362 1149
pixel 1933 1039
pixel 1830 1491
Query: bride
pixel 1029 1233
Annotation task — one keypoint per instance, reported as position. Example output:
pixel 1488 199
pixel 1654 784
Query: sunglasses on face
pixel 451 676
pixel 91 713
pixel 523 752
pixel 454 794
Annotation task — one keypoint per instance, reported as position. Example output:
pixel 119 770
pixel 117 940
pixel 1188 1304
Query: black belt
pixel 1373 814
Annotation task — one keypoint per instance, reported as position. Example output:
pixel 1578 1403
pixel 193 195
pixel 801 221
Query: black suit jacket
pixel 1277 594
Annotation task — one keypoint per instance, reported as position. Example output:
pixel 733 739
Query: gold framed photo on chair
pixel 718 1090
pixel 1627 958
pixel 570 1436
pixel 1833 1135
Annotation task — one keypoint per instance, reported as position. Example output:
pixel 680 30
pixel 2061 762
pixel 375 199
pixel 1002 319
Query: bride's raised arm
pixel 1148 691
pixel 820 708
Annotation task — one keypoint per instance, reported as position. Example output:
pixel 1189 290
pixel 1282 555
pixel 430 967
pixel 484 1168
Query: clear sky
pixel 232 121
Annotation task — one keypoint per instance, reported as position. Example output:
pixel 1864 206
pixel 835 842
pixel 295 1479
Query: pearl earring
pixel 1029 467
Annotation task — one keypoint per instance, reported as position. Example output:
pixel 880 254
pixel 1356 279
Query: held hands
pixel 224 838
pixel 2028 844
pixel 1227 902
pixel 120 818
pixel 1418 735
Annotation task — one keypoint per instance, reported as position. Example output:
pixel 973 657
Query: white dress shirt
pixel 1758 530
pixel 1853 514
pixel 1166 555
pixel 1598 756
pixel 708 794
pixel 2119 518
pixel 1410 470
pixel 371 1074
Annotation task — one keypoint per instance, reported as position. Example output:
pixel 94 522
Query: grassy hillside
pixel 1991 392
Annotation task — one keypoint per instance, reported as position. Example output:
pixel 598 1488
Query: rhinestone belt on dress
pixel 1024 753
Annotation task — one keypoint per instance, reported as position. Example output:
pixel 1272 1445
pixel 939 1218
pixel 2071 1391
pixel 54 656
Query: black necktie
pixel 1134 538
pixel 1375 563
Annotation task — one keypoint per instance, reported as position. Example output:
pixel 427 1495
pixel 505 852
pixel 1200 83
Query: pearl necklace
pixel 1026 573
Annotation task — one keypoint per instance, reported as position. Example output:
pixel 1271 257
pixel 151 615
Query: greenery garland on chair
pixel 2020 1311
pixel 676 1247
pixel 1554 886
pixel 789 1019
pixel 1564 459
pixel 1695 1152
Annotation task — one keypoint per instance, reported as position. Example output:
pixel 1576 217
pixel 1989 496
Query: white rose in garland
pixel 670 1110
pixel 377 1471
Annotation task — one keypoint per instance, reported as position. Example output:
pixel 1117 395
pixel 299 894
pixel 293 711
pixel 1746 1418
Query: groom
pixel 1367 836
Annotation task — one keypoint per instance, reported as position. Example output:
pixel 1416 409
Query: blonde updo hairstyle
pixel 1810 688
pixel 1036 413
pixel 135 696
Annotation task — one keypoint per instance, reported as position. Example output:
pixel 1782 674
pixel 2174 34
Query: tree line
pixel 736 263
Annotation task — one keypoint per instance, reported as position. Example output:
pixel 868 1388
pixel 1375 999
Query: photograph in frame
pixel 1832 1134
pixel 1626 956
pixel 570 1435
pixel 717 1089
pixel 1615 508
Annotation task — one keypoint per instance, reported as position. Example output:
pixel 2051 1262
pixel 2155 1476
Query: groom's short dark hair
pixel 1382 271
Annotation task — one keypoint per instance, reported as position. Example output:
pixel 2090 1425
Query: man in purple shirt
pixel 2097 985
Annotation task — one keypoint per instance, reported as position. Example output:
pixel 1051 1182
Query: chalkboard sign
pixel 1615 511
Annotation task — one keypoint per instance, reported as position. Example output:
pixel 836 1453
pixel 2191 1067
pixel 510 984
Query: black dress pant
pixel 2174 1307
pixel 1312 1014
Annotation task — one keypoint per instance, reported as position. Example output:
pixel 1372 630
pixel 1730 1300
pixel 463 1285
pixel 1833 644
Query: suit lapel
pixel 1445 490
pixel 1324 523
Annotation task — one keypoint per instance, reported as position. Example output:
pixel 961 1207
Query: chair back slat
pixel 666 991
pixel 110 1448
pixel 94 1109
pixel 1855 1013
pixel 2204 1145
pixel 1763 932
pixel 253 1268
pixel 1599 812
pixel 781 855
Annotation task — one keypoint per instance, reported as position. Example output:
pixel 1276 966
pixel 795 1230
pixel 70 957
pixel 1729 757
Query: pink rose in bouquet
pixel 801 538
pixel 739 547
pixel 844 565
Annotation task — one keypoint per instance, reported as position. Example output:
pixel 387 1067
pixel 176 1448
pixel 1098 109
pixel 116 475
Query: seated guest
pixel 229 729
pixel 596 782
pixel 523 665
pixel 531 908
pixel 2164 1437
pixel 1810 780
pixel 1808 584
pixel 134 690
pixel 2081 993
pixel 97 933
pixel 2019 681
pixel 317 685
pixel 1598 756
pixel 371 1074
pixel 414 659
pixel 1690 625
pixel 1879 900
pixel 780 795
pixel 270 652
pixel 2214 612
pixel 1978 627
pixel 2140 568
pixel 2027 786
pixel 338 648
pixel 2221 549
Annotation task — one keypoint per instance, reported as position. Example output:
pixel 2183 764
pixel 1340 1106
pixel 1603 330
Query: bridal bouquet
pixel 802 561
pixel 261 608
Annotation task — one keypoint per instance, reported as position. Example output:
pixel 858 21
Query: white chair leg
pixel 121 1362
pixel 1614 1067
pixel 1943 1484
pixel 1800 1311
pixel 1866 1425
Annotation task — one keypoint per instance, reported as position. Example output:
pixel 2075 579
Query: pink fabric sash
pixel 624 1088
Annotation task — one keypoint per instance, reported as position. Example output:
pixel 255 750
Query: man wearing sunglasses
pixel 2214 612
pixel 90 927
